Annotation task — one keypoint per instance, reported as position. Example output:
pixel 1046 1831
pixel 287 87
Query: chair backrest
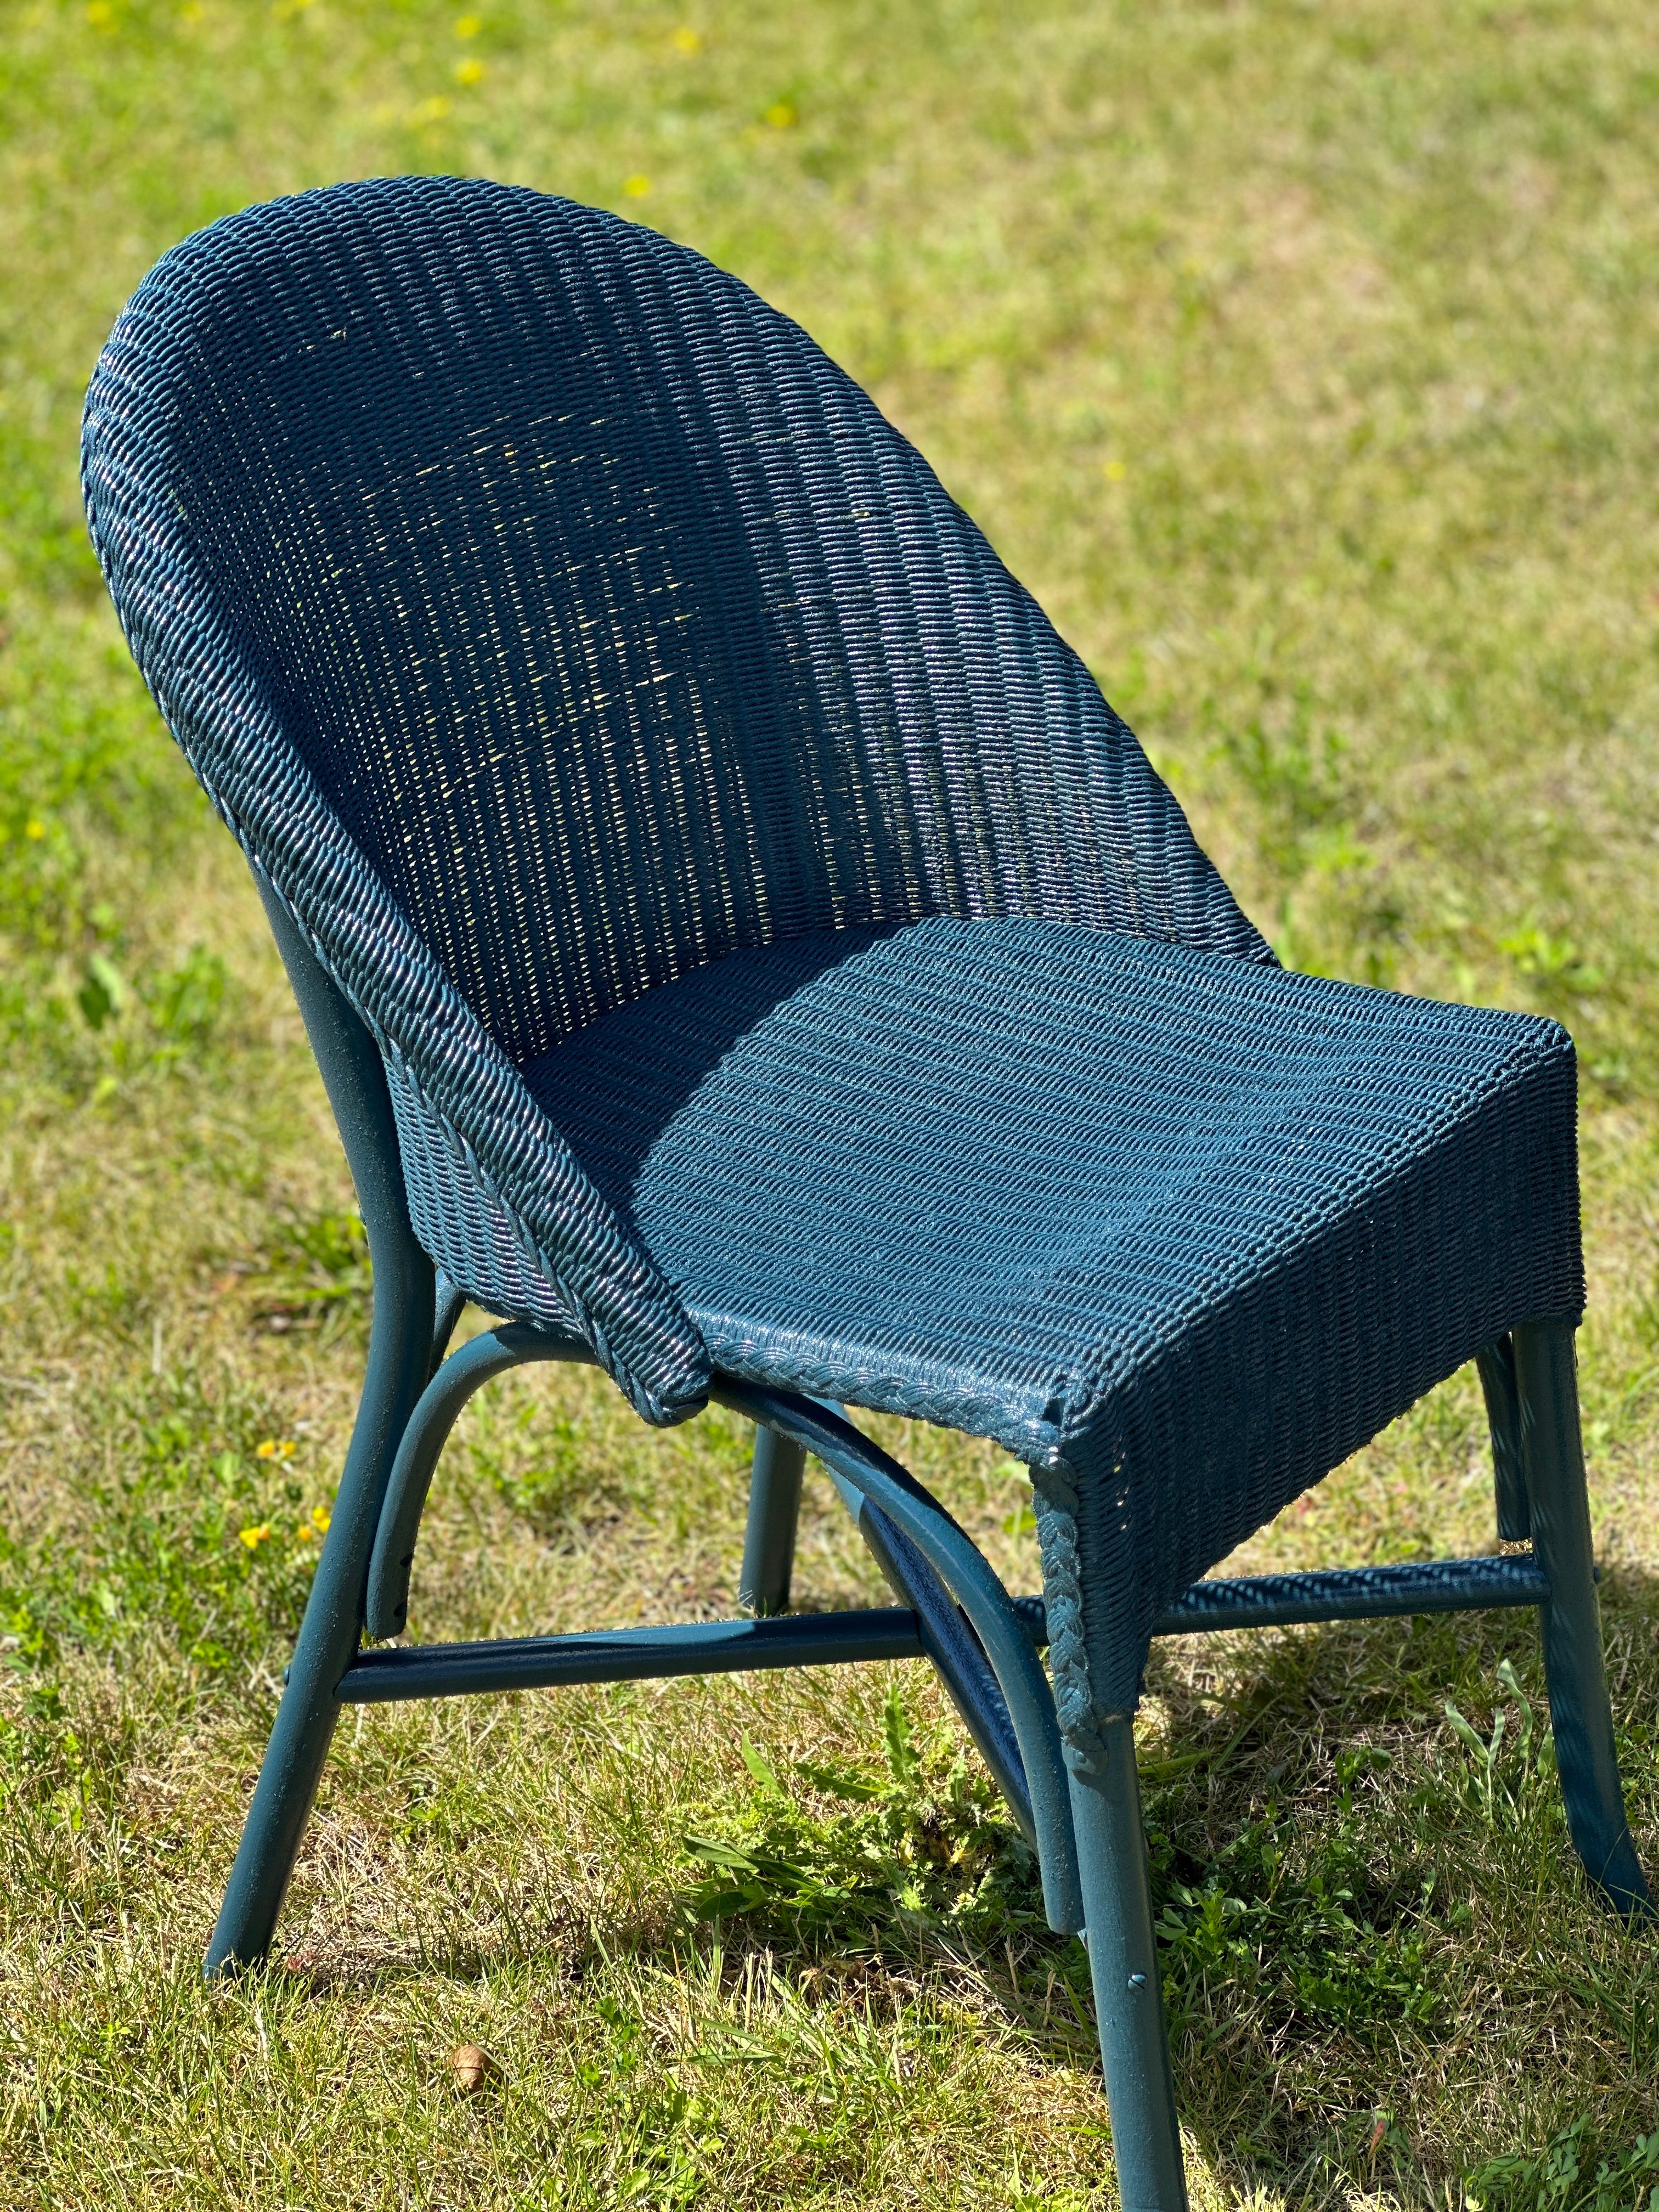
pixel 550 617
pixel 616 625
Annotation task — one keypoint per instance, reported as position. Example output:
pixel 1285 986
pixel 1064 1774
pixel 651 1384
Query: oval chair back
pixel 548 616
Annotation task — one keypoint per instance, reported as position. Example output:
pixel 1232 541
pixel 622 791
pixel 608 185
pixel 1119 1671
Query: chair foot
pixel 399 1346
pixel 276 1819
pixel 1553 1457
pixel 1135 2045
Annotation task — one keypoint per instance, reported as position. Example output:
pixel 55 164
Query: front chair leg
pixel 1553 1461
pixel 400 1345
pixel 1135 2044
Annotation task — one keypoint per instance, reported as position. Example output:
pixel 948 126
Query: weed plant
pixel 1303 362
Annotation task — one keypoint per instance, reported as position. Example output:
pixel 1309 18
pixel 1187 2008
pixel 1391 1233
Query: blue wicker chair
pixel 745 951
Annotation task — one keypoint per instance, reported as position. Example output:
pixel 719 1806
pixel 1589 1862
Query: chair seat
pixel 1182 1230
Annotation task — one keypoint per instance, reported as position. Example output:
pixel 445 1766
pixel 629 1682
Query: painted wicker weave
pixel 1182 1233
pixel 783 959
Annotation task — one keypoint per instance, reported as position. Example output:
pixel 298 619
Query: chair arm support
pixel 434 1415
pixel 947 1548
pixel 972 1582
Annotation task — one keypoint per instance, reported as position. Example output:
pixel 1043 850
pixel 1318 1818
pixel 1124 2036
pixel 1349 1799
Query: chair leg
pixel 1553 1463
pixel 400 1345
pixel 769 1549
pixel 1134 2045
pixel 1497 1366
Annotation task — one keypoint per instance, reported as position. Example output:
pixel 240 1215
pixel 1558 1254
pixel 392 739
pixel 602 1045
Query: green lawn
pixel 1303 361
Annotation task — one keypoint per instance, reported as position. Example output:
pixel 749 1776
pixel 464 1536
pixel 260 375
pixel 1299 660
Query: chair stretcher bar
pixel 829 1639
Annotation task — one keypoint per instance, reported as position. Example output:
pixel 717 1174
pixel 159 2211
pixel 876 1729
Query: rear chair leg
pixel 1135 2044
pixel 1553 1463
pixel 1497 1366
pixel 769 1549
pixel 400 1345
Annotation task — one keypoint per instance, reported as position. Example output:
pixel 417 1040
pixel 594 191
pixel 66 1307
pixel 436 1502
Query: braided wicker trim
pixel 1057 1505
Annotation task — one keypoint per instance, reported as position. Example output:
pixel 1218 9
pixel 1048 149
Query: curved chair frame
pixel 1084 1825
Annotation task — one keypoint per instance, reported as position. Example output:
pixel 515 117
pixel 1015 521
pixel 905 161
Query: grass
pixel 1302 361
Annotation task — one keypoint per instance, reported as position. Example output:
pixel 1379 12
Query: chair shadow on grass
pixel 1341 1876
pixel 1340 1873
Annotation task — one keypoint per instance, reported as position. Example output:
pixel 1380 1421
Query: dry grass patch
pixel 1303 364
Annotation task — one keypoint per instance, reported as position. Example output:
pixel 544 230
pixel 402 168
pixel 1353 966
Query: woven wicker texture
pixel 547 617
pixel 1184 1231
pixel 572 646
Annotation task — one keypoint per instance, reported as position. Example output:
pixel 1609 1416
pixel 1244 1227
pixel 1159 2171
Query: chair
pixel 745 951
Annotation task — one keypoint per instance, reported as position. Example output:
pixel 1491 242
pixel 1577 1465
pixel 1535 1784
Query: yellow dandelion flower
pixel 470 71
pixel 255 1533
pixel 304 1532
pixel 34 827
pixel 780 114
pixel 468 27
pixel 637 187
pixel 320 1517
pixel 687 40
pixel 100 14
pixel 1115 472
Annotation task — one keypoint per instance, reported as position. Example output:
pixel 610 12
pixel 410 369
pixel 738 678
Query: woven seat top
pixel 984 1172
pixel 1015 1177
